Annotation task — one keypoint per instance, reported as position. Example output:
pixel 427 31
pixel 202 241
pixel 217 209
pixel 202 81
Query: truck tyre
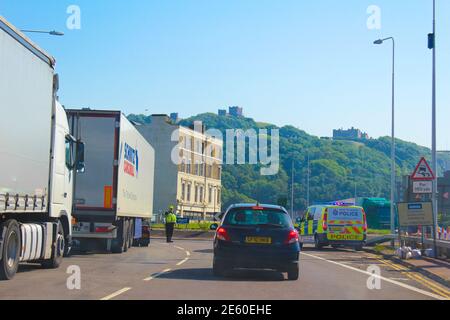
pixel 293 272
pixel 126 234
pixel 11 250
pixel 58 249
pixel 118 244
pixel 131 234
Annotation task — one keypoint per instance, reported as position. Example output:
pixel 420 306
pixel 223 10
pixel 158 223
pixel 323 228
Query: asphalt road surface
pixel 183 271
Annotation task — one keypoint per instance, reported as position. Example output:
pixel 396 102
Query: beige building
pixel 188 168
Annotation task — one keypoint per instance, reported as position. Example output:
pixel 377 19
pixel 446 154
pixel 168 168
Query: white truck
pixel 37 157
pixel 115 193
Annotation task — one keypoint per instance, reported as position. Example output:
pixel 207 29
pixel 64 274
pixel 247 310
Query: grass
pixel 376 231
pixel 194 226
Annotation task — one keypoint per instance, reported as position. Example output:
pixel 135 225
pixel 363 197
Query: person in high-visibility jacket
pixel 171 220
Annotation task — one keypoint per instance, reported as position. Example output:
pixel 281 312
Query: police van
pixel 338 225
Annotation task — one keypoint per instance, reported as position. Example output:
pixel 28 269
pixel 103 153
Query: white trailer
pixel 115 192
pixel 37 157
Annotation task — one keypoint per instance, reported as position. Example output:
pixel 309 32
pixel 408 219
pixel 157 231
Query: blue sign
pixel 183 220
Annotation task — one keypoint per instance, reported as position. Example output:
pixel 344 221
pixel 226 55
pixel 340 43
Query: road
pixel 182 271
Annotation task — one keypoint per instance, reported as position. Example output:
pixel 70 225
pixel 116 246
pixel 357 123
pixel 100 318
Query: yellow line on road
pixel 435 288
pixel 115 294
pixel 403 285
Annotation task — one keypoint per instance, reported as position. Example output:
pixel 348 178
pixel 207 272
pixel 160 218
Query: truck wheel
pixel 58 249
pixel 11 250
pixel 131 234
pixel 126 234
pixel 293 272
pixel 118 243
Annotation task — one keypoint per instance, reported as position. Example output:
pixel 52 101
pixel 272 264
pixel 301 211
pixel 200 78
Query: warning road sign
pixel 423 171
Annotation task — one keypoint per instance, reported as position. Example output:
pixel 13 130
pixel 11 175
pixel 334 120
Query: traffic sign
pixel 423 172
pixel 423 187
pixel 415 214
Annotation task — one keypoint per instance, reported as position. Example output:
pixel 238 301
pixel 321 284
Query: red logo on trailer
pixel 423 171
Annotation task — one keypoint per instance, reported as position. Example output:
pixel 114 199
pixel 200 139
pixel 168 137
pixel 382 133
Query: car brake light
pixel 325 221
pixel 292 237
pixel 257 208
pixel 103 229
pixel 222 234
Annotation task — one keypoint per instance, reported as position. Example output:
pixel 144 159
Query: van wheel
pixel 11 250
pixel 293 272
pixel 359 248
pixel 58 248
pixel 317 243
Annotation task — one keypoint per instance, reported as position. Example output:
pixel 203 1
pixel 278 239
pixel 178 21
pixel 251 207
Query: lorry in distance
pixel 115 193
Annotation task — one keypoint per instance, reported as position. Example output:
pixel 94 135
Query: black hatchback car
pixel 256 237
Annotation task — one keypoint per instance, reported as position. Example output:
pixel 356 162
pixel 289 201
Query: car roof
pixel 250 205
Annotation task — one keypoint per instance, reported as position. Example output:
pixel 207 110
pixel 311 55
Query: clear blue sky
pixel 311 64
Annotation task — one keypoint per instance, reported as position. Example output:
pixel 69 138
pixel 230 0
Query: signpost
pixel 420 213
pixel 415 214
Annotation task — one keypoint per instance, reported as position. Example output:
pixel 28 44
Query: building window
pixel 183 191
pixel 196 194
pixel 210 191
pixel 189 193
pixel 201 194
pixel 218 196
pixel 188 167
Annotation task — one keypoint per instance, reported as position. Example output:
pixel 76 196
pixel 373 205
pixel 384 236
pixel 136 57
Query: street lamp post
pixel 432 45
pixel 52 33
pixel 380 41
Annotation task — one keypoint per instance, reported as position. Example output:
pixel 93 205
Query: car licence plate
pixel 258 240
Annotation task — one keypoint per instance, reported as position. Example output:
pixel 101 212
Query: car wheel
pixel 293 272
pixel 219 269
pixel 359 248
pixel 11 250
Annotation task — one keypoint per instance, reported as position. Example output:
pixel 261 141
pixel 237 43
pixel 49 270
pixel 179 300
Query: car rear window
pixel 257 217
pixel 345 213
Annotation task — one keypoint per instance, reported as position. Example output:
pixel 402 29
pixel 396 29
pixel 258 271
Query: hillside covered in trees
pixel 337 167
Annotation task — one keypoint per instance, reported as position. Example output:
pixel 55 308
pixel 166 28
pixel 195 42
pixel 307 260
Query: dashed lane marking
pixel 182 262
pixel 157 275
pixel 115 294
pixel 403 285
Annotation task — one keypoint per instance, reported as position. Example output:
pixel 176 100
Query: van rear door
pixel 346 224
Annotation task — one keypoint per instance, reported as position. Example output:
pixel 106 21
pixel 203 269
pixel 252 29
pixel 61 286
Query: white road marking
pixel 181 262
pixel 157 275
pixel 425 293
pixel 115 294
pixel 188 253
pixel 179 248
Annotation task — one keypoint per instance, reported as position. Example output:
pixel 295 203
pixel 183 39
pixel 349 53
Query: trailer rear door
pixel 95 188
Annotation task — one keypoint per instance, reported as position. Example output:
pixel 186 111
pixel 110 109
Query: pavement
pixel 182 271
